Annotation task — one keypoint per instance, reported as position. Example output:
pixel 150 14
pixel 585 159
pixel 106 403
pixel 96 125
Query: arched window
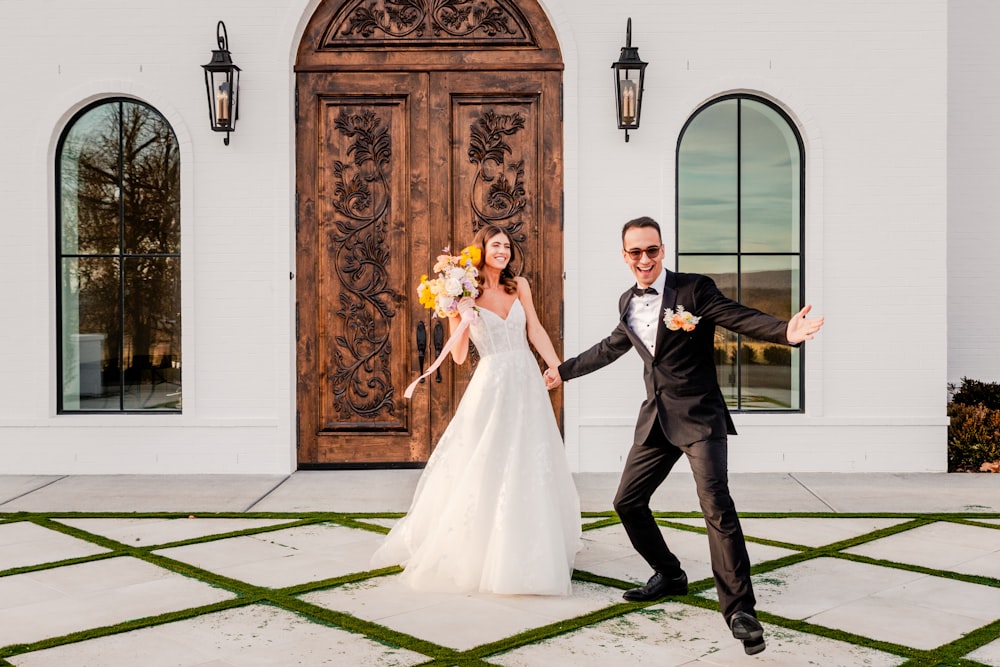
pixel 118 261
pixel 740 212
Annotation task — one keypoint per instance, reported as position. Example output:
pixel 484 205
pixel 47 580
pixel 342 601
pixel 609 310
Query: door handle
pixel 438 345
pixel 421 346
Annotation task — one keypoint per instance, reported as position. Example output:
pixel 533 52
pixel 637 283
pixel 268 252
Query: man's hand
pixel 801 328
pixel 552 379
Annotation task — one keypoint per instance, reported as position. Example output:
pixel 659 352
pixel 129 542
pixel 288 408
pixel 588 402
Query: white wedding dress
pixel 495 510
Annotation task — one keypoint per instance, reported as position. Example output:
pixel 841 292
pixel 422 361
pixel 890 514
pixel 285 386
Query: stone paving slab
pixel 753 492
pixel 147 493
pixel 881 603
pixel 869 600
pixel 150 532
pixel 343 491
pixel 677 635
pixel 805 531
pixel 14 486
pixel 988 655
pixel 24 543
pixel 284 557
pixel 256 636
pixel 608 552
pixel 50 603
pixel 459 621
pixel 905 492
pixel 941 546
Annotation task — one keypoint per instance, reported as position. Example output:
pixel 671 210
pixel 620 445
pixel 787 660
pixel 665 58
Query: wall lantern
pixel 629 74
pixel 222 83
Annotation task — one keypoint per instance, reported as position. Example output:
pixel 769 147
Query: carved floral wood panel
pixel 378 23
pixel 417 122
pixel 357 259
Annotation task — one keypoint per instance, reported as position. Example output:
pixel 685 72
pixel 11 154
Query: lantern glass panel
pixel 629 99
pixel 222 85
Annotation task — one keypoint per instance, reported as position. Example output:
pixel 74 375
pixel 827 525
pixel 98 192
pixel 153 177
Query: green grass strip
pixel 604 523
pixel 118 628
pixel 808 628
pixel 286 598
pixel 954 652
pixel 544 632
pixel 920 569
pixel 359 626
pixel 352 523
pixel 455 662
pixel 247 593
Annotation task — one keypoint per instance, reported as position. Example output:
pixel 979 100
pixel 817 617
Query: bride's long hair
pixel 508 274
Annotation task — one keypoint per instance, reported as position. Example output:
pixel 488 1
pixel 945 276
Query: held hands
pixel 552 378
pixel 800 328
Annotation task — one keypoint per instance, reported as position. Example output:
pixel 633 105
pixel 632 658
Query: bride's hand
pixel 466 303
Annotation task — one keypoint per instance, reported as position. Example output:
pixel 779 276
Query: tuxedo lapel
pixel 669 301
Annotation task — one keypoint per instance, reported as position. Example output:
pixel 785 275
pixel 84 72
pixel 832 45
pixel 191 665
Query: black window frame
pixel 120 256
pixel 739 253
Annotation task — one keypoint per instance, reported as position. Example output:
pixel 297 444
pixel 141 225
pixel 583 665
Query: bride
pixel 495 509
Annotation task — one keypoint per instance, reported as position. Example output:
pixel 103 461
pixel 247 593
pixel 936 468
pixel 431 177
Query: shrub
pixel 973 436
pixel 974 392
pixel 778 355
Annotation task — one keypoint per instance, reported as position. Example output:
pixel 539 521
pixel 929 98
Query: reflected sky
pixel 738 181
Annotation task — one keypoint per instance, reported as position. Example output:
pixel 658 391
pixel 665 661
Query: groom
pixel 684 413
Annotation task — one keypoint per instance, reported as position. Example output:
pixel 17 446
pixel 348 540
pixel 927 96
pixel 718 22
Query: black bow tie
pixel 639 291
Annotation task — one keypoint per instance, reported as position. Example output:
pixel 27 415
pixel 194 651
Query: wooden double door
pixel 392 167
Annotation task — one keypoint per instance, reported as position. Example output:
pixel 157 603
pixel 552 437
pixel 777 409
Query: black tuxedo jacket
pixel 682 390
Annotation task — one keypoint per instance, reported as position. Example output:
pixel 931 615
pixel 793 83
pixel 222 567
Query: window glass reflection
pixel 90 183
pixel 769 181
pixel 769 373
pixel 151 351
pixel 724 270
pixel 119 314
pixel 739 217
pixel 91 325
pixel 150 183
pixel 707 180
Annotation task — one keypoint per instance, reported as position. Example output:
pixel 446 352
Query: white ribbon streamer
pixel 468 317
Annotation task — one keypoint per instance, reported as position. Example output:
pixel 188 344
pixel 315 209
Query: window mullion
pixel 739 247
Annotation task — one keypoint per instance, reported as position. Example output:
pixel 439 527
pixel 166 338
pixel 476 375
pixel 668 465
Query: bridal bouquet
pixel 456 279
pixel 681 319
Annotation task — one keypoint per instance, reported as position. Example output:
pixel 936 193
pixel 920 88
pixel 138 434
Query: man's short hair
pixel 644 221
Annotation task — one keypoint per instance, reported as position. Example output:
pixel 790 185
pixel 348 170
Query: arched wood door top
pixel 359 35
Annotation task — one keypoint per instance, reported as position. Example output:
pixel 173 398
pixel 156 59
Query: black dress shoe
pixel 753 646
pixel 747 628
pixel 658 586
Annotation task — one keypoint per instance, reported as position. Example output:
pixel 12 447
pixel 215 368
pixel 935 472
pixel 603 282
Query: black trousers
pixel 647 466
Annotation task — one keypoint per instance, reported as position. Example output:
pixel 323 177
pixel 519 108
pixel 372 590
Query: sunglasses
pixel 651 252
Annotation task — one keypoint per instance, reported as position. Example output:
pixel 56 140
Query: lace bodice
pixel 491 334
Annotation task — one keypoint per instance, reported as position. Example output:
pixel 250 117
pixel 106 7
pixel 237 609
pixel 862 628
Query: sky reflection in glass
pixel 738 179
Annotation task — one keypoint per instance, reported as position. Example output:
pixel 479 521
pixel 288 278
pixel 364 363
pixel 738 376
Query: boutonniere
pixel 681 319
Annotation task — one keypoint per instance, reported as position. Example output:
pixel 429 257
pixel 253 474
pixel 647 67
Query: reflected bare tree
pixel 121 216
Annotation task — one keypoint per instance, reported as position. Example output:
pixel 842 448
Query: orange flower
pixel 681 319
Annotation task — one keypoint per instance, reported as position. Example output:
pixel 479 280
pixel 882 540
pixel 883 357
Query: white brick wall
pixel 973 179
pixel 867 82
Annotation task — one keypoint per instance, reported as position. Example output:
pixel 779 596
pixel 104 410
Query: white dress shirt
pixel 644 313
